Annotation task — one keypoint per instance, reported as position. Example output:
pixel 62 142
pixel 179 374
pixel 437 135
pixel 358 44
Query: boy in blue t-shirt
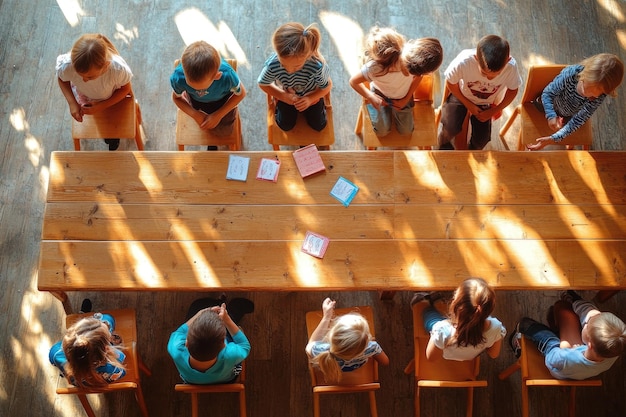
pixel 207 88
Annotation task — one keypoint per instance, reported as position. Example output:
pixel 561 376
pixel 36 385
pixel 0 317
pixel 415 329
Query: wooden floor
pixel 150 35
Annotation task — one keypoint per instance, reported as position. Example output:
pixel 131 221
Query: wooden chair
pixel 439 373
pixel 188 133
pixel 238 387
pixel 302 134
pixel 535 373
pixel 364 379
pixel 126 327
pixel 424 134
pixel 122 120
pixel 534 123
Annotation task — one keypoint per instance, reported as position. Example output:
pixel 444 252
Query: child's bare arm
pixel 328 310
pixel 304 102
pixel 382 358
pixel 432 351
pixel 401 103
pixel 228 321
pixel 357 82
pixel 184 106
pixel 494 350
pixel 117 96
pixel 280 94
pixel 75 109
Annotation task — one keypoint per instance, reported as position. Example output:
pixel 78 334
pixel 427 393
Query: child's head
pixel 87 345
pixel 604 71
pixel 294 44
pixel 422 56
pixel 384 47
pixel 492 53
pixel 472 304
pixel 205 336
pixel 201 65
pixel 348 338
pixel 606 333
pixel 91 55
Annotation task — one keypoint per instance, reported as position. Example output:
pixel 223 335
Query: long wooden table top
pixel 421 220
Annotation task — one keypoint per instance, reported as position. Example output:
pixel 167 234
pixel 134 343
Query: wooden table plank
pixel 200 178
pixel 348 265
pixel 573 177
pixel 113 221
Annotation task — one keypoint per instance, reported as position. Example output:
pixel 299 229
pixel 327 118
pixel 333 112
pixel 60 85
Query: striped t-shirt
pixel 560 98
pixel 313 75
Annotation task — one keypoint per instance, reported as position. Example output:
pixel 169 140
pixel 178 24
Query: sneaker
pixel 515 342
pixel 238 307
pixel 446 147
pixel 417 297
pixel 211 148
pixel 85 307
pixel 113 144
pixel 570 296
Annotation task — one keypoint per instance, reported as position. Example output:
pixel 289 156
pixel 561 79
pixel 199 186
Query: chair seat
pixel 122 120
pixel 188 133
pixel 535 125
pixel 302 134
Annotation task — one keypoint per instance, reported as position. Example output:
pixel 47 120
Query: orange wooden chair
pixel 534 373
pixel 188 133
pixel 439 373
pixel 301 134
pixel 126 327
pixel 364 379
pixel 424 134
pixel 122 120
pixel 534 124
pixel 237 387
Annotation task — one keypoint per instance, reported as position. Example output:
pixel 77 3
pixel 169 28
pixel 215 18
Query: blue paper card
pixel 344 191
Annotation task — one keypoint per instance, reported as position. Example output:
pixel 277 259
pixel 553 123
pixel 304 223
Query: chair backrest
pixel 425 90
pixel 539 76
pixel 367 373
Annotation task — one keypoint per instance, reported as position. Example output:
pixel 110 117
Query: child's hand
pixel 328 308
pixel 540 143
pixel 376 101
pixel 76 111
pixel 302 103
pixel 209 122
pixel 555 123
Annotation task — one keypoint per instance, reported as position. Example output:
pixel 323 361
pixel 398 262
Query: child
pixel 572 97
pixel 589 344
pixel 207 89
pixel 87 356
pixel 468 329
pixel 394 70
pixel 93 77
pixel 297 76
pixel 482 81
pixel 209 347
pixel 343 344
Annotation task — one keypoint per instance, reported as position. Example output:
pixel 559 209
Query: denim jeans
pixel 430 316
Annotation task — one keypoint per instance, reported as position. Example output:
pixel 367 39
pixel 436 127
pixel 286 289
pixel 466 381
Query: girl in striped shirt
pixel 572 97
pixel 297 76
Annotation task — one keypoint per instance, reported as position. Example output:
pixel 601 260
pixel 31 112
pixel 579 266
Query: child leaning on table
pixel 209 347
pixel 342 344
pixel 207 88
pixel 394 70
pixel 481 81
pixel 580 343
pixel 468 328
pixel 92 77
pixel 575 94
pixel 87 355
pixel 296 74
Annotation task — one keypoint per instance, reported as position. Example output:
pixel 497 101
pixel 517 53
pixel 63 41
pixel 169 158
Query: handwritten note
pixel 237 167
pixel 344 191
pixel 268 170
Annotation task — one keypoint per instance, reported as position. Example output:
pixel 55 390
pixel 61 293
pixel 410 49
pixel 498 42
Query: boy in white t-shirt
pixel 482 81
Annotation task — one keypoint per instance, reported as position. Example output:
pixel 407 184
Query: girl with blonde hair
pixel 576 93
pixel 342 344
pixel 87 356
pixel 92 77
pixel 296 75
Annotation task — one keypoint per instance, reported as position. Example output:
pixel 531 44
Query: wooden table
pixel 421 220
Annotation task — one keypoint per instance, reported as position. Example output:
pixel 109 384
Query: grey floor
pixel 151 34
